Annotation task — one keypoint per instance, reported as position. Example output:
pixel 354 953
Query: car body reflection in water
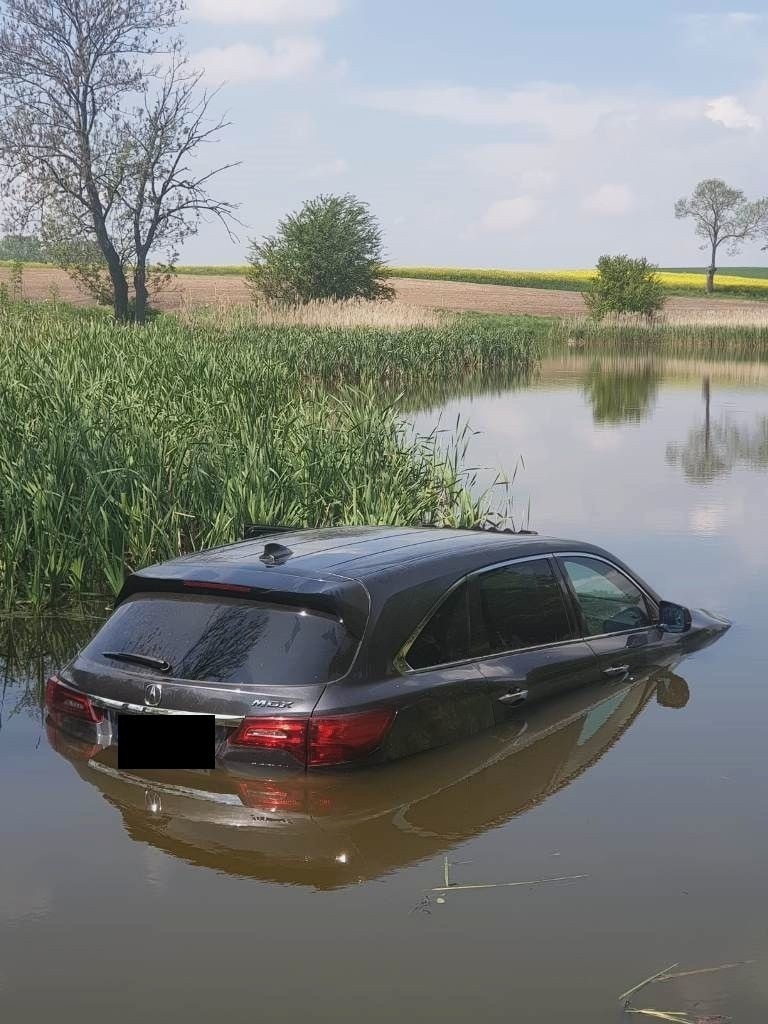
pixel 331 830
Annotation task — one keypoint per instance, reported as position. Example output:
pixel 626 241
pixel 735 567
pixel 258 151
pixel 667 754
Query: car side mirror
pixel 674 618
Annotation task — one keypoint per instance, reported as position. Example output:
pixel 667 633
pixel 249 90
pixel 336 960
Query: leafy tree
pixel 25 248
pixel 624 285
pixel 102 121
pixel 722 216
pixel 330 249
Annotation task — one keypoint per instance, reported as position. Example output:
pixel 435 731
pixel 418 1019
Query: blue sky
pixel 499 134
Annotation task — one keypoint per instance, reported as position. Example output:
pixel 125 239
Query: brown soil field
pixel 189 292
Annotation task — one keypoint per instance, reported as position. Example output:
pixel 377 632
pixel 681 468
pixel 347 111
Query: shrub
pixel 624 285
pixel 330 249
pixel 26 248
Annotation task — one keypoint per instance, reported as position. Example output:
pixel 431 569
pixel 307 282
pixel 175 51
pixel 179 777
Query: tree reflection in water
pixel 31 648
pixel 621 395
pixel 715 449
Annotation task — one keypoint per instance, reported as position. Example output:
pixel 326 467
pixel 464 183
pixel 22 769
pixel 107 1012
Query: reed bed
pixel 739 333
pixel 122 446
pixel 347 315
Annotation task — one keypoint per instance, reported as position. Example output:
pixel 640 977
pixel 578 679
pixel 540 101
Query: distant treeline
pixel 24 248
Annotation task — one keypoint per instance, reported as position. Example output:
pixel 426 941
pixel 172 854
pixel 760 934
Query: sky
pixel 497 133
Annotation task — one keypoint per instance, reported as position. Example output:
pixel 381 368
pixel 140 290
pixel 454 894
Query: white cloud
pixel 509 214
pixel 244 63
pixel 525 165
pixel 731 113
pixel 610 201
pixel 267 12
pixel 743 17
pixel 327 169
pixel 562 110
pixel 718 29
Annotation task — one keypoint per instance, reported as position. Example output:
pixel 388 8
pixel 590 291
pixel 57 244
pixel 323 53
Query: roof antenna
pixel 275 554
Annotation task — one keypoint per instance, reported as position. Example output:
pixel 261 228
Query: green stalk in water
pixel 122 446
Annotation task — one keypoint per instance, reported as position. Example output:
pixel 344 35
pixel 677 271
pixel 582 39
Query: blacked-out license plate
pixel 166 741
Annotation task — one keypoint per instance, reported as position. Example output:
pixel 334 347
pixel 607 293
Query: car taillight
pixel 64 700
pixel 320 740
pixel 288 734
pixel 337 739
pixel 268 796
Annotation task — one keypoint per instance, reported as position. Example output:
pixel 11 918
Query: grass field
pixel 675 282
pixel 122 446
pixel 752 272
pixel 739 281
pixel 731 277
pixel 735 282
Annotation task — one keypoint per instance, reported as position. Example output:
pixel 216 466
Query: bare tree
pixel 722 216
pixel 103 118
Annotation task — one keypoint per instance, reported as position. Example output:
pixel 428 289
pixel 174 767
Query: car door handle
pixel 514 697
pixel 616 670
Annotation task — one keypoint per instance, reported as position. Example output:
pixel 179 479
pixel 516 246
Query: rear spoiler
pixel 253 530
pixel 344 599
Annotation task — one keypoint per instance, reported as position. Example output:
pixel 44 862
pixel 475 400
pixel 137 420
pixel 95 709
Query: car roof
pixel 365 552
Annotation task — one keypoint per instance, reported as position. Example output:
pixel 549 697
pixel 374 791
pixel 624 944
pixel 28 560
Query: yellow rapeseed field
pixel 574 280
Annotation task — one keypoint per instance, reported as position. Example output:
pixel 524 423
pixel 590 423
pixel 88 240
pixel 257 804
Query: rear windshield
pixel 227 640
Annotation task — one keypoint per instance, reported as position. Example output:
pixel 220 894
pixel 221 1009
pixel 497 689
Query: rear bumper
pixel 103 735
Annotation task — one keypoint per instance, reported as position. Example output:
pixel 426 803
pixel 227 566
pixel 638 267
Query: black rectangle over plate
pixel 166 741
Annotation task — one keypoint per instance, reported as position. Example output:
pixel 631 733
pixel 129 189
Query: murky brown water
pixel 184 897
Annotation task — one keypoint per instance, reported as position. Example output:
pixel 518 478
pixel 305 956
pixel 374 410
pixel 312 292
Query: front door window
pixel 521 605
pixel 609 601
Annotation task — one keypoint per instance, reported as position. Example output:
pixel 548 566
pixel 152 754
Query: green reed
pixel 122 446
pixel 734 338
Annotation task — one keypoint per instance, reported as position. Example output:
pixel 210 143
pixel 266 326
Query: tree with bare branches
pixel 722 216
pixel 103 117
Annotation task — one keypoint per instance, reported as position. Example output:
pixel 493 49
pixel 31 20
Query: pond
pixel 635 814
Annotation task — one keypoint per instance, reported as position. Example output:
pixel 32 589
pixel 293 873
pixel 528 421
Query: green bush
pixel 624 285
pixel 24 248
pixel 330 249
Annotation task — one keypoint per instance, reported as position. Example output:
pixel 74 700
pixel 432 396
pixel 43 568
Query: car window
pixel 521 605
pixel 609 601
pixel 227 640
pixel 445 637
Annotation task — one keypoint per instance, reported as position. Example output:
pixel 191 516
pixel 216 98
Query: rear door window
pixel 227 640
pixel 609 601
pixel 445 638
pixel 521 605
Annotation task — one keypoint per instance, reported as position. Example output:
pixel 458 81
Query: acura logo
pixel 152 801
pixel 153 694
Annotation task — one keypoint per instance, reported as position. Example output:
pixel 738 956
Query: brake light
pixel 67 746
pixel 337 739
pixel 288 734
pixel 268 796
pixel 318 741
pixel 64 700
pixel 226 588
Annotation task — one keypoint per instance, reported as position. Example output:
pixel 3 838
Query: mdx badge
pixel 271 702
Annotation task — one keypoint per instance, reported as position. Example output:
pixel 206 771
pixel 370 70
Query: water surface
pixel 184 898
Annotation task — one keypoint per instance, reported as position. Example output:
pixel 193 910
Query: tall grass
pixel 122 446
pixel 376 315
pixel 739 335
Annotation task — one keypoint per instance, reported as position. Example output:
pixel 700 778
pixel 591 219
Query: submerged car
pixel 326 830
pixel 319 648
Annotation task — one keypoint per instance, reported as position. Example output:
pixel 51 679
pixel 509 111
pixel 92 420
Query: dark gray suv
pixel 319 648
